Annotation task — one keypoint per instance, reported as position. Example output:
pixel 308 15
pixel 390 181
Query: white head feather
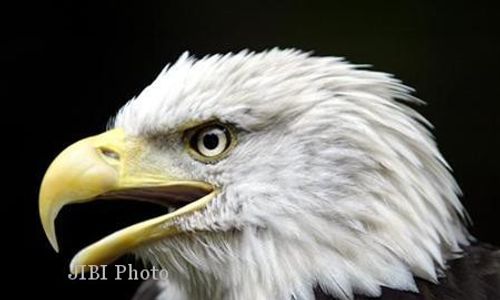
pixel 335 181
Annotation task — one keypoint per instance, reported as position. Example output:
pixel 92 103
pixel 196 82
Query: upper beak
pixel 114 164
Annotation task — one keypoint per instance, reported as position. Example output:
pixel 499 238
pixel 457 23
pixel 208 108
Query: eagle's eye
pixel 211 142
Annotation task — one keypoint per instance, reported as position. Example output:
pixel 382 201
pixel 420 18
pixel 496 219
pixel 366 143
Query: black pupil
pixel 210 141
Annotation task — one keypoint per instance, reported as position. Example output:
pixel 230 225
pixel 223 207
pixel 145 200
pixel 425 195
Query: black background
pixel 71 65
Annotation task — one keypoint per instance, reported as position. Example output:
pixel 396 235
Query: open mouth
pixel 181 200
pixel 171 197
pixel 84 172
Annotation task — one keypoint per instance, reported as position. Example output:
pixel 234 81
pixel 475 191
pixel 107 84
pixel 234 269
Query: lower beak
pixel 112 165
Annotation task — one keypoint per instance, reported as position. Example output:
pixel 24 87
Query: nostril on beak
pixel 109 153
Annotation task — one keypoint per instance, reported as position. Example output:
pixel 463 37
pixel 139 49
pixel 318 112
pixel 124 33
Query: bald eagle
pixel 287 176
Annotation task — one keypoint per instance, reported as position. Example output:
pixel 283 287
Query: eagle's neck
pixel 474 275
pixel 282 265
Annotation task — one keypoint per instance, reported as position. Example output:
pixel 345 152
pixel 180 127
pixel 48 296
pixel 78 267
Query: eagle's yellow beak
pixel 112 165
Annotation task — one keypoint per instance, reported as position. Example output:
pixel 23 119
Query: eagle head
pixel 282 172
